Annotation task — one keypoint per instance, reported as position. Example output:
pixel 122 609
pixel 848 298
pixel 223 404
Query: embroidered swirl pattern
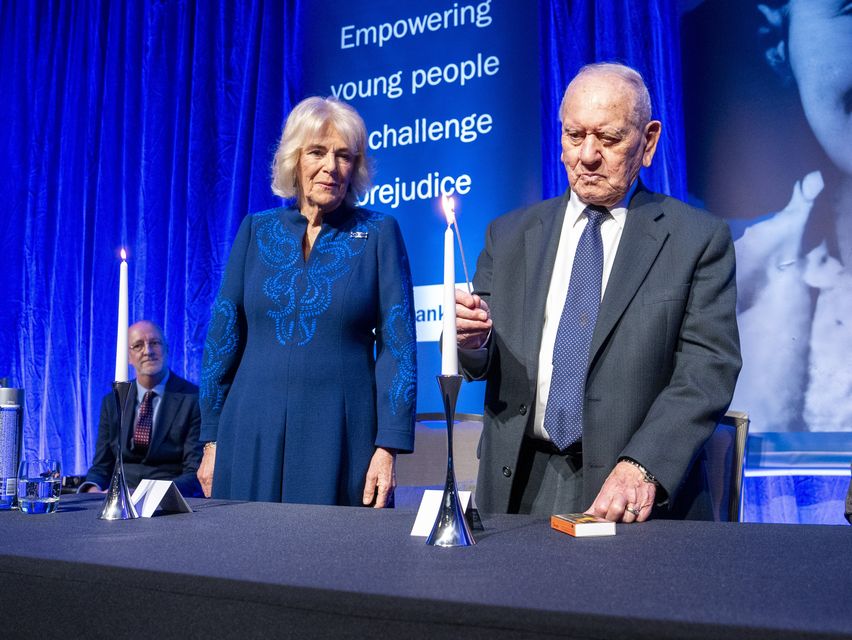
pixel 398 332
pixel 280 251
pixel 220 344
pixel 302 293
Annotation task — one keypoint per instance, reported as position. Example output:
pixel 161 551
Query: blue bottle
pixel 11 423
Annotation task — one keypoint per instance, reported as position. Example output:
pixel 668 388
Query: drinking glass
pixel 39 485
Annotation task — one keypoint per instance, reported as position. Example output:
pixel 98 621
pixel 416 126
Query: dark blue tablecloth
pixel 258 570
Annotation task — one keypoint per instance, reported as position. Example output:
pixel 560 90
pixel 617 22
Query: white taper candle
pixel 121 331
pixel 449 353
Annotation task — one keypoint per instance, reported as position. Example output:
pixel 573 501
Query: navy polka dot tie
pixel 144 423
pixel 563 417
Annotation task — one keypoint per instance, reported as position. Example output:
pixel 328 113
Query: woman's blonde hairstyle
pixel 305 123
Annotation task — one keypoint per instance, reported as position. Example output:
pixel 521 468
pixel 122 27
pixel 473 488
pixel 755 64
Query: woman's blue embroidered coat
pixel 309 365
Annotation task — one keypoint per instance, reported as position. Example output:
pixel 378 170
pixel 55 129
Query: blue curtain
pixel 150 125
pixel 144 125
pixel 644 35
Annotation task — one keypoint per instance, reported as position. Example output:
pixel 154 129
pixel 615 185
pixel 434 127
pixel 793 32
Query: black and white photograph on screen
pixel 769 136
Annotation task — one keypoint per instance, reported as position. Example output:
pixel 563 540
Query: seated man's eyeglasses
pixel 138 347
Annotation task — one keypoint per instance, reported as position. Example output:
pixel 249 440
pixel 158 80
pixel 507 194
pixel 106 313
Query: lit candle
pixel 449 353
pixel 121 331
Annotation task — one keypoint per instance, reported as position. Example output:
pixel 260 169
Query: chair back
pixel 724 459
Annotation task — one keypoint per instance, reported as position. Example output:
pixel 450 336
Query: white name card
pixel 151 495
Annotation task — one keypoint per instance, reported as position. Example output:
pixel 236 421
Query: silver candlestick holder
pixel 117 505
pixel 450 528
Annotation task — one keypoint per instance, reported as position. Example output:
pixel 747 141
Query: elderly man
pixel 160 437
pixel 604 324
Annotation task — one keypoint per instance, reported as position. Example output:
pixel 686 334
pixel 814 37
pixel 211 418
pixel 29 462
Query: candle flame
pixel 449 207
pixel 123 254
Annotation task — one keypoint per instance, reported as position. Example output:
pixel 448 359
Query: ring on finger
pixel 632 510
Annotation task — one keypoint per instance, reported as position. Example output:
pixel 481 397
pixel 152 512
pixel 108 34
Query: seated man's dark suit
pixel 664 354
pixel 175 451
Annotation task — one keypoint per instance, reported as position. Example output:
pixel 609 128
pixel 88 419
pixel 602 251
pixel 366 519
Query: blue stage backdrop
pixel 452 106
pixel 151 125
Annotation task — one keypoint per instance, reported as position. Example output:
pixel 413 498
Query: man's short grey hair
pixel 642 105
pixel 305 124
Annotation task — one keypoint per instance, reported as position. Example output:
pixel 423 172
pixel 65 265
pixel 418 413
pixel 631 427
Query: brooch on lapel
pixel 361 235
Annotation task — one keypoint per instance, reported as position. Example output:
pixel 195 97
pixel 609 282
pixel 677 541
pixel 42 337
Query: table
pixel 235 569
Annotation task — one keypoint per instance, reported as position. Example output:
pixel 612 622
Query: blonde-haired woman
pixel 308 379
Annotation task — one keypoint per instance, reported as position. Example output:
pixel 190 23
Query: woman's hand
pixel 381 478
pixel 205 469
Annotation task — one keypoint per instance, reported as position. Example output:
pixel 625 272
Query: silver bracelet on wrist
pixel 646 476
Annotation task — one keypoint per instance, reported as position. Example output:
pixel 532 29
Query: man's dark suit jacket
pixel 175 451
pixel 664 355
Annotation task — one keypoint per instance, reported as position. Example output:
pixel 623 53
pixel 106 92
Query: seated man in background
pixel 160 436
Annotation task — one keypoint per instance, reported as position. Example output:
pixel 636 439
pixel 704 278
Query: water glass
pixel 39 486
